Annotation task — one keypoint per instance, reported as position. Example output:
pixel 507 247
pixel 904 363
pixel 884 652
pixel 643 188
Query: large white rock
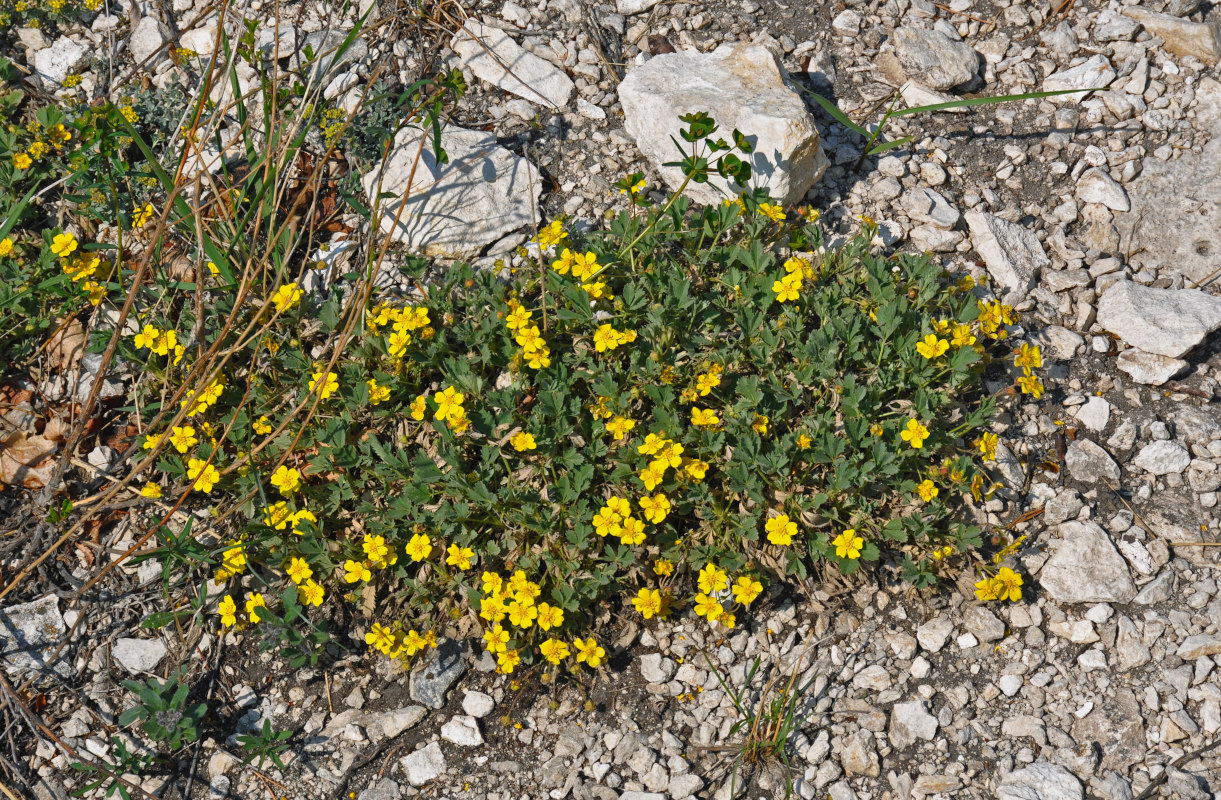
pixel 493 56
pixel 147 38
pixel 1093 73
pixel 454 210
pixel 1181 37
pixel 933 59
pixel 742 87
pixel 1149 368
pixel 1085 567
pixel 1013 255
pixel 139 655
pixel 424 765
pixel 1168 322
pixel 58 61
pixel 1042 780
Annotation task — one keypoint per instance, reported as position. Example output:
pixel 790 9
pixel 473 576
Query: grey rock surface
pixel 1163 458
pixel 933 59
pixel 424 765
pixel 1095 72
pixel 742 87
pixel 910 721
pixel 1167 322
pixel 139 655
pixel 438 672
pixel 1149 368
pixel 29 635
pixel 1089 463
pixel 1013 254
pixel 1041 780
pixel 1085 567
pixel 496 58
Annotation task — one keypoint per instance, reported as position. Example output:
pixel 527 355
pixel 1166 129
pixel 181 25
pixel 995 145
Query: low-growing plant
pixel 164 712
pixel 265 745
pixel 110 775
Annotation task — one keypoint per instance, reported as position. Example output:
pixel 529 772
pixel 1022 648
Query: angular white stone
pixel 424 765
pixel 1182 37
pixel 1013 255
pixel 742 87
pixel 911 721
pixel 58 61
pixel 139 655
pixel 1168 322
pixel 933 59
pixel 1197 646
pixel 455 210
pixel 1095 186
pixel 1149 368
pixel 1042 780
pixel 1163 458
pixel 493 56
pixel 146 39
pixel 1094 73
pixel 1085 567
pixel 462 730
pixel 1095 414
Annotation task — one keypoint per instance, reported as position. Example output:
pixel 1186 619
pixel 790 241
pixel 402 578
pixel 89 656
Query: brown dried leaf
pixel 67 344
pixel 27 461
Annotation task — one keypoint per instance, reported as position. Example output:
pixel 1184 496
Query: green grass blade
pixel 968 102
pixel 834 111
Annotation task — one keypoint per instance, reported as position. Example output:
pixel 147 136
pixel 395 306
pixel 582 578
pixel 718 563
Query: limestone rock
pixel 1089 463
pixel 493 56
pixel 1149 368
pixel 1085 567
pixel 147 38
pixel 462 730
pixel 1042 780
pixel 438 672
pixel 1117 727
pixel 30 633
pixel 1096 186
pixel 1168 322
pixel 1094 73
pixel 1182 37
pixel 742 87
pixel 933 59
pixel 1200 645
pixel 1163 458
pixel 139 655
pixel 1012 254
pixel 911 721
pixel 60 60
pixel 424 765
pixel 454 210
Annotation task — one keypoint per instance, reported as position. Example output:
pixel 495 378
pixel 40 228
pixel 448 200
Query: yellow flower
pixel 213 269
pixel 619 427
pixel 261 426
pixel 517 319
pixel 356 571
pixel 522 614
pixel 962 335
pixel 915 433
pixel 804 442
pixel 492 583
pixel 304 515
pixel 254 602
pixel 712 579
pixel 927 490
pixel 375 547
pixel 606 522
pixel 727 620
pixel 523 441
pixel 1008 585
pixel 701 418
pixel 1031 385
pixel 377 394
pixel 647 602
pixel 606 338
pixel 549 616
pixel 6 246
pixel 631 532
pixel 285 479
pixel 299 570
pixel 326 383
pixel 1029 357
pixel 459 557
pixel 419 546
pixel 986 444
pixel 552 234
pixel 449 403
pixel 63 244
pixel 597 290
pixel 493 608
pixel 589 651
pixel 96 292
pixel 695 468
pixel 787 288
pixel 311 593
pixel 655 508
pixel 277 516
pixel 705 383
pixel 620 506
pixel 496 639
pixel 708 607
pixel 653 475
pixel 759 426
pixel 530 338
pixel 652 445
pixel 150 490
pixel 418 407
pixel 396 343
pixel 746 589
pixel 635 188
pixel 232 561
pixel 202 475
pixel 152 440
pixel 663 567
pixel 780 530
pixel 848 544
pixel 554 650
pixel 507 660
pixel 987 589
pixel 199 402
pixel 141 216
pixel 22 161
pixel 183 438
pixel 227 610
pixel 380 638
pixel 932 347
pixel 772 212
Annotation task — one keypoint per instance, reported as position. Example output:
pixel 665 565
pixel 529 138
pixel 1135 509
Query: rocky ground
pixel 1098 214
